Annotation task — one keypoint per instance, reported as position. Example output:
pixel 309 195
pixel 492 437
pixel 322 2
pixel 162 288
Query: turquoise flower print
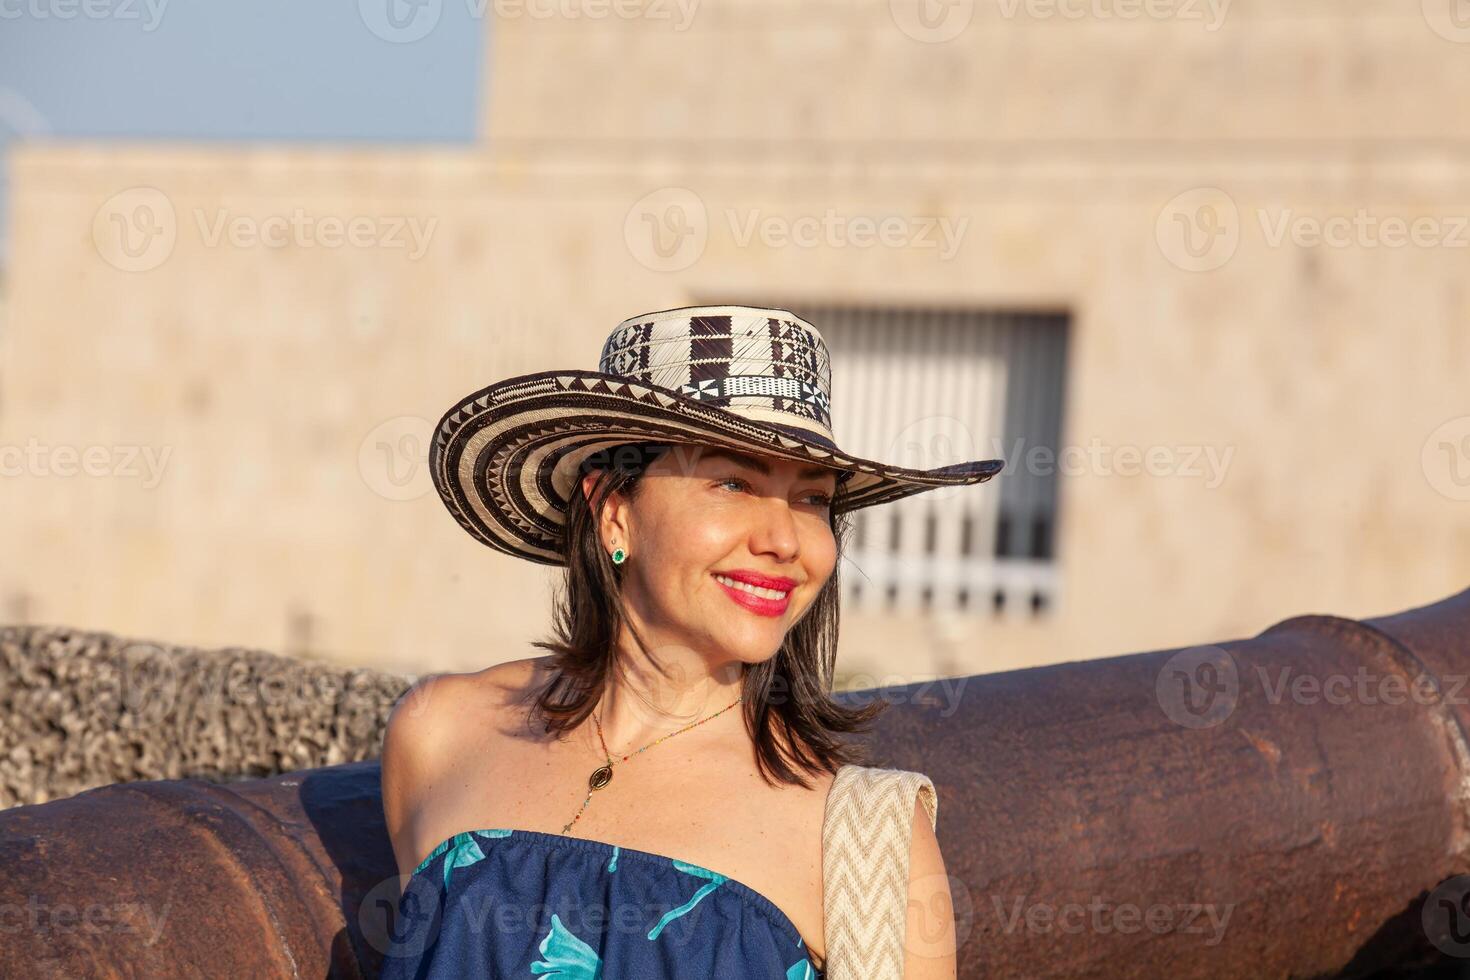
pixel 714 878
pixel 463 850
pixel 566 957
pixel 801 971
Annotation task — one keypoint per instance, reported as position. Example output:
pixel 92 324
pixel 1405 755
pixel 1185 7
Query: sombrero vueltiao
pixel 505 458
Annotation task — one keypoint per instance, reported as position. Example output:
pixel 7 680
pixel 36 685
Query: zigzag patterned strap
pixel 866 833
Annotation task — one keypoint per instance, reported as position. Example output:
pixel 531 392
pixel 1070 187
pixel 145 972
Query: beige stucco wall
pixel 1328 381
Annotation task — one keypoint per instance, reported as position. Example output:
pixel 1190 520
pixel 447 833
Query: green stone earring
pixel 619 556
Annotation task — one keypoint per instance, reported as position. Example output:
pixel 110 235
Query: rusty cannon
pixel 1289 805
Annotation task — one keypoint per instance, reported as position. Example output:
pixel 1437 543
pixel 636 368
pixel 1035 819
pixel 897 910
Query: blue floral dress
pixel 527 904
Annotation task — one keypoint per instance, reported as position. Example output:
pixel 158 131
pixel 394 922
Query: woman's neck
pixel 641 704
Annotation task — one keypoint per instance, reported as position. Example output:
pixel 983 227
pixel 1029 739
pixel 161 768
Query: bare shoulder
pixel 426 733
pixel 432 709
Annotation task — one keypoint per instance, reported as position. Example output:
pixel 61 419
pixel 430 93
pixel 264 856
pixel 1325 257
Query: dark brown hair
pixel 789 694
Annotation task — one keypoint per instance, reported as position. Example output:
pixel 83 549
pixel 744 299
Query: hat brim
pixel 505 458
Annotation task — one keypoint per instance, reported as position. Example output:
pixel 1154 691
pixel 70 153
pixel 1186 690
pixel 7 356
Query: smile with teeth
pixel 752 589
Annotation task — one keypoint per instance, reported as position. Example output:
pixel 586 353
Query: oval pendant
pixel 600 777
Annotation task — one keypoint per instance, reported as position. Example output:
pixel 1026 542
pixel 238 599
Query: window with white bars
pixel 924 388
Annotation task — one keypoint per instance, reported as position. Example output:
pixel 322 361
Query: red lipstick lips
pixel 760 605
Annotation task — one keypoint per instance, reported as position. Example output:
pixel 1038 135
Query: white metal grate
pixel 924 388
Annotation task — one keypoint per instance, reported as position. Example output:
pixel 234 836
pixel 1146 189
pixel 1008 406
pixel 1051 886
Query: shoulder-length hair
pixel 788 708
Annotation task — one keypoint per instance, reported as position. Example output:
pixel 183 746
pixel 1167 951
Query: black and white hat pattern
pixel 506 458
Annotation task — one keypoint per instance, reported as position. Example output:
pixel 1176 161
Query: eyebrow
pixel 764 468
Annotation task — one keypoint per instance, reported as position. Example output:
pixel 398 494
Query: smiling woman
pixel 693 493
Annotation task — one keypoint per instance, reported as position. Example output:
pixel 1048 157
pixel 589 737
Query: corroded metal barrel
pixel 1291 805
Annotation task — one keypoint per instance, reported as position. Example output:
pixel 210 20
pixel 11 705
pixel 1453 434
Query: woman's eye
pixel 821 499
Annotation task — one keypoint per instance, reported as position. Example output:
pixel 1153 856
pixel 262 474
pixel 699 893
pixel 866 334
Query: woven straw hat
pixel 506 458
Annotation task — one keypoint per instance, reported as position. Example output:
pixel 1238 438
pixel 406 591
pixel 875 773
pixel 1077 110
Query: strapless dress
pixel 526 904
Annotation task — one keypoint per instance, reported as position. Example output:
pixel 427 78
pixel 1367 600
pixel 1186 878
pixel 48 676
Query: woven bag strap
pixel 866 833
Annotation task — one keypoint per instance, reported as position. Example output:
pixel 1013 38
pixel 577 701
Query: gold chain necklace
pixel 603 774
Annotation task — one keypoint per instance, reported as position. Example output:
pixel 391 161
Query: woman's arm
pixel 929 949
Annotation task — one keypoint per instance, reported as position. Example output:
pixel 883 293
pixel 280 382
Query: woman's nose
pixel 776 530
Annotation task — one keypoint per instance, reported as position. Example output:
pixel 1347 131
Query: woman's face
pixel 708 524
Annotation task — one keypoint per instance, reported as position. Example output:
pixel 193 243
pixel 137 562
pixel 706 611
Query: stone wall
pixel 83 709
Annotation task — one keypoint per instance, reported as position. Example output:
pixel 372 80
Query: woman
pixel 652 798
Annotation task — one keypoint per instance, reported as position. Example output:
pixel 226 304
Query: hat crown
pixel 768 365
